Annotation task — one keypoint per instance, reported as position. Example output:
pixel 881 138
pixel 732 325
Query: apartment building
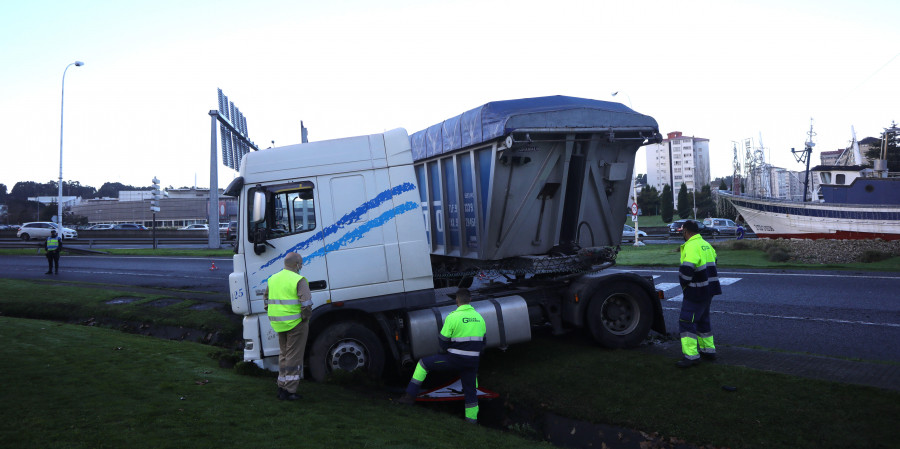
pixel 678 159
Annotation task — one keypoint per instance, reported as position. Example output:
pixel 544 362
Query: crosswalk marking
pixel 665 286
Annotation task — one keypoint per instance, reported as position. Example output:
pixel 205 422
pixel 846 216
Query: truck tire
pixel 619 315
pixel 346 346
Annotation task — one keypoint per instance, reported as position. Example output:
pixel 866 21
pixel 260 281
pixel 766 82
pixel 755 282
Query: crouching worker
pixel 462 337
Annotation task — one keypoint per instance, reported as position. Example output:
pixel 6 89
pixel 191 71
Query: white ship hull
pixel 770 218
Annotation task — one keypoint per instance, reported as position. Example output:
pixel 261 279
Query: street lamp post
pixel 694 195
pixel 62 103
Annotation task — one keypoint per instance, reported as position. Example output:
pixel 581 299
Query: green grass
pixel 646 392
pixel 67 386
pixel 651 221
pixel 90 387
pixel 226 253
pixel 75 302
pixel 77 386
pixel 666 255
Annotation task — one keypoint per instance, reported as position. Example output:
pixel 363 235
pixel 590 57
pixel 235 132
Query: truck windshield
pixel 290 209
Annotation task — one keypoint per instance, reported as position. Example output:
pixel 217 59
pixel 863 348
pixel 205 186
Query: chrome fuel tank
pixel 506 320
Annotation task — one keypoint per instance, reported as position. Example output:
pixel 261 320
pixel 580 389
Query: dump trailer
pixel 521 201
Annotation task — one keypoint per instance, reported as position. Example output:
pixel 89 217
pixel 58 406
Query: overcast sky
pixel 139 106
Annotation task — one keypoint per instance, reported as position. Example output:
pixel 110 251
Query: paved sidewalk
pixel 880 375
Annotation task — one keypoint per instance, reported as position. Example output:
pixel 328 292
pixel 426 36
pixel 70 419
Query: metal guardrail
pixel 91 242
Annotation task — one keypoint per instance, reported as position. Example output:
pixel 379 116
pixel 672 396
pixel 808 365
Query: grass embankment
pixel 83 387
pixel 570 376
pixel 70 302
pixel 89 387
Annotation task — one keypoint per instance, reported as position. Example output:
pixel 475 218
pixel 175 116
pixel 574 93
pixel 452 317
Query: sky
pixel 139 106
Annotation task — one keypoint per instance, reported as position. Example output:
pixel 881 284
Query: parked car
pixel 100 227
pixel 232 231
pixel 675 227
pixel 41 230
pixel 628 233
pixel 721 226
pixel 195 227
pixel 129 227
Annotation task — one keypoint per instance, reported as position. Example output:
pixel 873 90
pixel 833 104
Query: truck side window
pixel 290 209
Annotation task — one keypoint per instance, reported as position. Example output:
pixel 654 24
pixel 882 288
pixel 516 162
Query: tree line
pixel 653 202
pixel 20 210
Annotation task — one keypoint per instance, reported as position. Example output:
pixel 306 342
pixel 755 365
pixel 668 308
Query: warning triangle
pixel 453 392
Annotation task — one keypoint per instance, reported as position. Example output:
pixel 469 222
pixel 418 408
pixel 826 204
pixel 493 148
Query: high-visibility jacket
pixel 463 332
pixel 697 274
pixel 52 243
pixel 284 304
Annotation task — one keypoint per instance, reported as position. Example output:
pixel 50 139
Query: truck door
pixel 291 224
pixel 362 251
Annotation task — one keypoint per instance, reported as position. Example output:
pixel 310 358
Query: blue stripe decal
pixel 361 231
pixel 347 219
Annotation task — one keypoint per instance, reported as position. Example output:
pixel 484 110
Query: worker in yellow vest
pixel 699 280
pixel 289 306
pixel 53 246
pixel 462 337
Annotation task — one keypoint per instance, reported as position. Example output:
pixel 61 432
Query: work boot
pixel 687 363
pixel 48 272
pixel 406 399
pixel 284 395
pixel 711 356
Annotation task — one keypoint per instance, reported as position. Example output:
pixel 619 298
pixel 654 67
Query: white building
pixel 678 159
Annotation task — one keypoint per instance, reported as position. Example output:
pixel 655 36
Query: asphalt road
pixel 189 273
pixel 837 314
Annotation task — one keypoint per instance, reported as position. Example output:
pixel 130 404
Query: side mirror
pixel 260 242
pixel 258 213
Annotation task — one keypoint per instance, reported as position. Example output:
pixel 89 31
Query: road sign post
pixel 235 144
pixel 634 215
pixel 154 205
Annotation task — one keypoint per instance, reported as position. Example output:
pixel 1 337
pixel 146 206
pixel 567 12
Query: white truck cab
pixel 531 190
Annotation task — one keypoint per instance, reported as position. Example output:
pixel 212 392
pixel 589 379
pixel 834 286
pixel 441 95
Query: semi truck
pixel 521 201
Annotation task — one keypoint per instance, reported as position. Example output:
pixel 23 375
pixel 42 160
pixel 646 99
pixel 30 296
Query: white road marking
pixel 664 286
pixel 798 318
pixel 667 285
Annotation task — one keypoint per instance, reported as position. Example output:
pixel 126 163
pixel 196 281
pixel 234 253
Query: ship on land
pixel 852 201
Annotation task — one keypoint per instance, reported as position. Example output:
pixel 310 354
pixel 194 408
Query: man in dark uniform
pixel 53 246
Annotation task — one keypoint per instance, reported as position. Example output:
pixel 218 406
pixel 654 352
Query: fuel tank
pixel 506 320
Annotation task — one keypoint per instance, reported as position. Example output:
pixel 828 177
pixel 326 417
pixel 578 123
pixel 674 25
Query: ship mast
pixel 736 176
pixel 804 156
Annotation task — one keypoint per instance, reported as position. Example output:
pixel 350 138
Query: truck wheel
pixel 619 315
pixel 346 346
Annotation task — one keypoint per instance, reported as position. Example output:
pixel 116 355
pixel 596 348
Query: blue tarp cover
pixel 499 118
